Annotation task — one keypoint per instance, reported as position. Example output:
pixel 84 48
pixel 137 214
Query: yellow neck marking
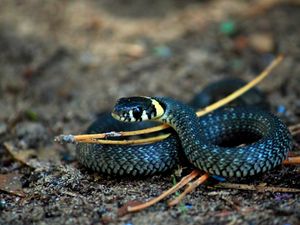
pixel 159 109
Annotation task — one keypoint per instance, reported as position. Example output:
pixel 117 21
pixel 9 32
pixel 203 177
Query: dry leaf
pixel 11 183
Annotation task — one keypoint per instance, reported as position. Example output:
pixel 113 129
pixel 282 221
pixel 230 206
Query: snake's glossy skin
pixel 209 143
pixel 128 160
pixel 206 141
pixel 217 90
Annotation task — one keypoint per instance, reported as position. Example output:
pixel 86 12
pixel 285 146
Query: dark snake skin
pixel 215 91
pixel 209 143
pixel 127 160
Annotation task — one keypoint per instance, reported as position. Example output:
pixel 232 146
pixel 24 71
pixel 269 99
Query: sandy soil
pixel 62 62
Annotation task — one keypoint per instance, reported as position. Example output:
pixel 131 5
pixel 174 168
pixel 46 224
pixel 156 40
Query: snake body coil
pixel 232 142
pixel 127 160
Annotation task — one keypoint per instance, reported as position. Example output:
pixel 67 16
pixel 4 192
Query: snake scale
pixel 230 142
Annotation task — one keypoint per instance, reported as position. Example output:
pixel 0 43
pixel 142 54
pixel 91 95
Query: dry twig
pixel 259 188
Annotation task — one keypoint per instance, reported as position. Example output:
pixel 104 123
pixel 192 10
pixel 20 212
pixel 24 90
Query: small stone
pixel 89 60
pixel 262 42
pixel 32 134
pixel 37 214
pixel 106 219
pixel 2 204
pixel 3 128
pixel 163 51
pixel 135 50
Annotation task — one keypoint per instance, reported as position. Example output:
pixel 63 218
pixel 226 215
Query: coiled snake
pixel 231 142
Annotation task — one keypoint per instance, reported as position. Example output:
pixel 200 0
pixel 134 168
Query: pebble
pixel 32 134
pixel 37 214
pixel 2 204
pixel 136 50
pixel 163 51
pixel 88 59
pixel 262 42
pixel 3 128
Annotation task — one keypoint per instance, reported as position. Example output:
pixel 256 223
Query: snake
pixel 234 141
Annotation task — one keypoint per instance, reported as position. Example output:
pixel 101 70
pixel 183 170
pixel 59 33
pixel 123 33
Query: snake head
pixel 132 109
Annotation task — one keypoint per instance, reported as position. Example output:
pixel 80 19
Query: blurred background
pixel 62 62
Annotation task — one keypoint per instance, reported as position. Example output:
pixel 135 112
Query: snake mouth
pixel 132 109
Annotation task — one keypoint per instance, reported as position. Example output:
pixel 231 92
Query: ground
pixel 62 62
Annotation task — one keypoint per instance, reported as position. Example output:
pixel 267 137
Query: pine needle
pixel 98 138
pixel 259 188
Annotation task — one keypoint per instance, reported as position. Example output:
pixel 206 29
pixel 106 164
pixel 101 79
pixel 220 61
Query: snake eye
pixel 137 113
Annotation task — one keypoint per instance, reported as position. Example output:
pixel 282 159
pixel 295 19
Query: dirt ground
pixel 62 62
